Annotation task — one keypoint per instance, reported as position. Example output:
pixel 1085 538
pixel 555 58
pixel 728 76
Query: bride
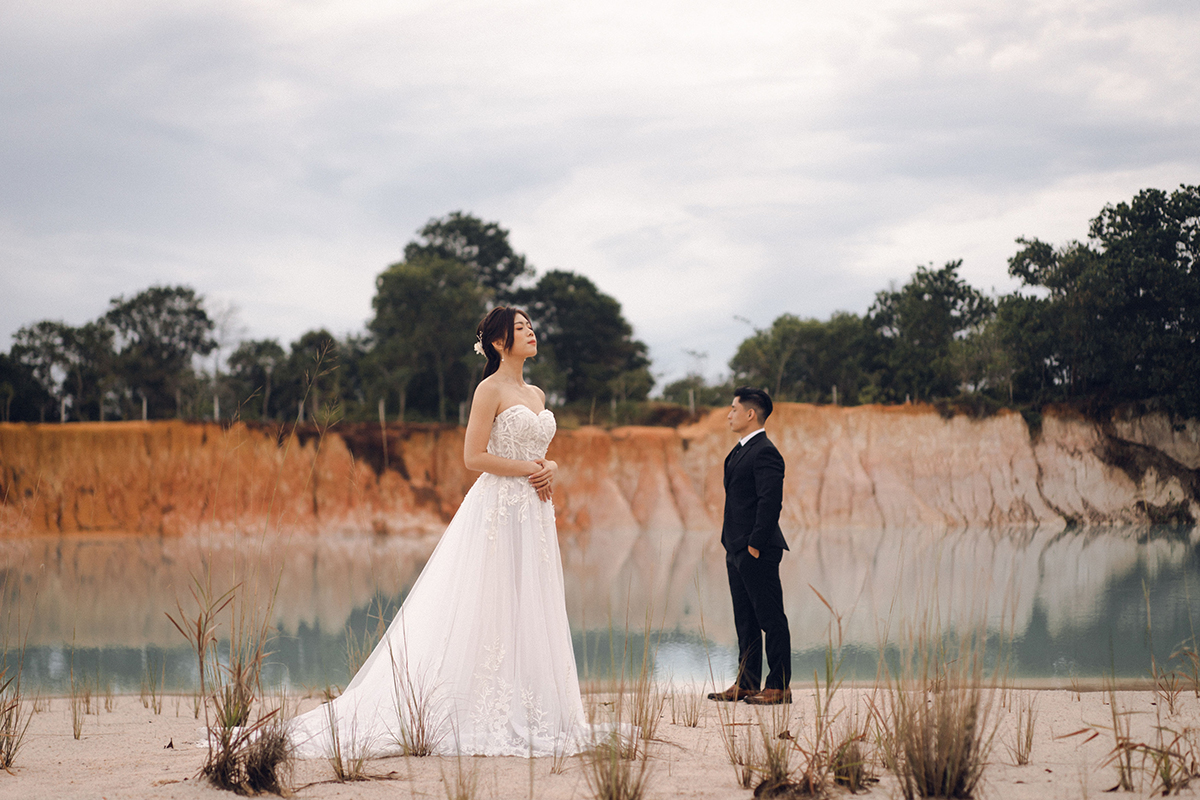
pixel 478 659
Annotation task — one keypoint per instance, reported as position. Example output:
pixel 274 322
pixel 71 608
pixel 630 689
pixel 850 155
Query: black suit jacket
pixel 753 497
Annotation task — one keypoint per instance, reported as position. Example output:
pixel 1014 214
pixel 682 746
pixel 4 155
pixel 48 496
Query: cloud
pixel 698 160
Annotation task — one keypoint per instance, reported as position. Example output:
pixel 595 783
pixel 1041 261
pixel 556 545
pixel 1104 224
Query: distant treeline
pixel 1109 321
pixel 146 357
pixel 1097 324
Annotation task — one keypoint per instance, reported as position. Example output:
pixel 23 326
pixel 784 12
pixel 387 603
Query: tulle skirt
pixel 479 659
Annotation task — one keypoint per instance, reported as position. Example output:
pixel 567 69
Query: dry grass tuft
pixel 611 774
pixel 347 758
pixel 1171 763
pixel 420 731
pixel 850 758
pixel 244 756
pixel 78 707
pixel 833 751
pixel 771 761
pixel 269 759
pixel 648 700
pixel 1022 746
pixel 152 684
pixel 250 760
pixel 357 649
pixel 940 717
pixel 686 707
pixel 463 783
pixel 14 720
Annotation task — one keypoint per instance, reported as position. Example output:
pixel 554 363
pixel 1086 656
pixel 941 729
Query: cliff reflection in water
pixel 1072 601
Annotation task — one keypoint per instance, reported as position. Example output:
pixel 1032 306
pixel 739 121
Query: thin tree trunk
pixel 267 397
pixel 441 382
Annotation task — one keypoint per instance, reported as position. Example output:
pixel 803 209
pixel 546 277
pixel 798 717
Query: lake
pixel 1057 606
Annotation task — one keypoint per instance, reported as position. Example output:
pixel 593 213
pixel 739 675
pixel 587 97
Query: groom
pixel 754 546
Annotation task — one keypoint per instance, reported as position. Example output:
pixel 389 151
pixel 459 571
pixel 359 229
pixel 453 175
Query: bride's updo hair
pixel 498 324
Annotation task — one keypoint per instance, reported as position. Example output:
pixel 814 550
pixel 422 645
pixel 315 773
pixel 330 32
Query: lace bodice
pixel 520 433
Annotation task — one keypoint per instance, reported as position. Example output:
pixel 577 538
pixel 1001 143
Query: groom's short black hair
pixel 757 399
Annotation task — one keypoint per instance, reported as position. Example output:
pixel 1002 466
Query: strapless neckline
pixel 527 408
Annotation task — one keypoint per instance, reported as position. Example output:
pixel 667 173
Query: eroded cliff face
pixel 646 492
pixel 977 501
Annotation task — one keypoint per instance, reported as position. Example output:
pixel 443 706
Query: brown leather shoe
pixel 770 697
pixel 732 694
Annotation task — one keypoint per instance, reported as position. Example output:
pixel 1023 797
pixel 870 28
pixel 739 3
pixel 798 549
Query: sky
pixel 712 165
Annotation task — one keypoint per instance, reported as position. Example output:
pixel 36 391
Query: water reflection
pixel 1071 604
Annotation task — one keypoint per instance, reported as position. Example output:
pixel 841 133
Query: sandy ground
pixel 131 752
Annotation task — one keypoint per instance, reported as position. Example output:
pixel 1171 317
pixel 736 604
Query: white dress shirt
pixel 742 441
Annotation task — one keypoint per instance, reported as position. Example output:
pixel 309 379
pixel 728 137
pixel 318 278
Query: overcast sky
pixel 699 161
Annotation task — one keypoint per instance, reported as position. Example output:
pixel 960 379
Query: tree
pixel 40 348
pixel 252 368
pixel 22 397
pixel 90 363
pixel 159 330
pixel 312 375
pixel 779 358
pixel 918 323
pixel 1123 310
pixel 805 359
pixel 426 311
pixel 583 332
pixel 482 246
pixel 693 387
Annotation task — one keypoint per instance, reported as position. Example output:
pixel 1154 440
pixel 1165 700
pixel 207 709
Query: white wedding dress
pixel 481 642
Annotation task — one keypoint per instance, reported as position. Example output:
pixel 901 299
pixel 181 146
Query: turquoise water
pixel 1056 607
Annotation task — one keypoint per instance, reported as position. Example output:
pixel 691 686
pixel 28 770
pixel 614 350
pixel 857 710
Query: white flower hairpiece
pixel 479 344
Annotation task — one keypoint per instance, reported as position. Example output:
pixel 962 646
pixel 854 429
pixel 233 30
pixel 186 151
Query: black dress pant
pixel 758 611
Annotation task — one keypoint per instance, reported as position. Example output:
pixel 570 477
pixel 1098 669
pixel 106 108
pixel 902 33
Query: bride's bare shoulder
pixel 487 394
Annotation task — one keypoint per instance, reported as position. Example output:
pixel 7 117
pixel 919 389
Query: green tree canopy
pixel 22 398
pixel 584 333
pixel 159 331
pixel 918 324
pixel 252 374
pixel 804 359
pixel 482 246
pixel 1121 318
pixel 426 311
